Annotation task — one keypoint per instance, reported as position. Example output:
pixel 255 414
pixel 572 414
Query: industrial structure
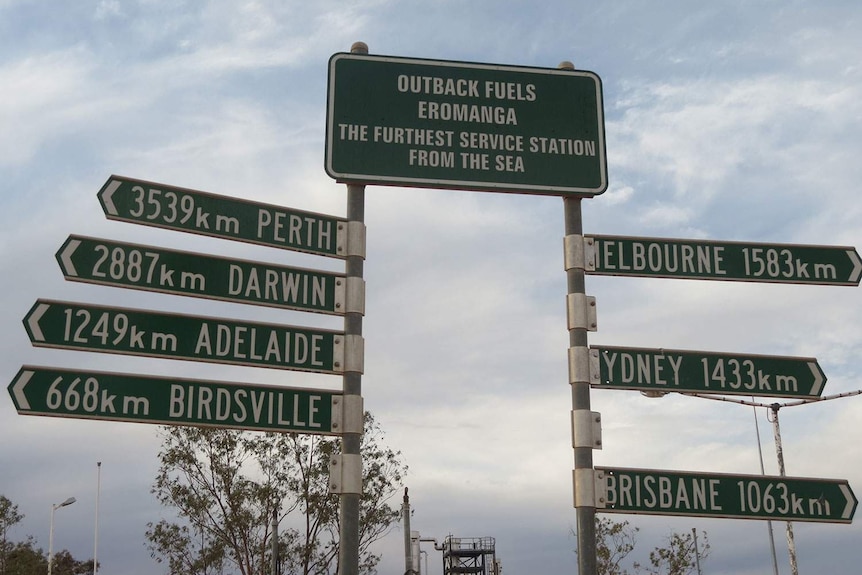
pixel 469 555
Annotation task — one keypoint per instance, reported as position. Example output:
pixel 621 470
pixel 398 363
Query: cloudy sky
pixel 727 121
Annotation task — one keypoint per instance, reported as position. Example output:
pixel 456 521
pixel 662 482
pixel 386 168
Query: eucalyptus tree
pixel 225 487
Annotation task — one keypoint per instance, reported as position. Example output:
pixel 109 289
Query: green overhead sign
pixel 172 401
pixel 459 125
pixel 730 261
pixel 85 327
pixel 134 266
pixel 656 492
pixel 158 205
pixel 666 370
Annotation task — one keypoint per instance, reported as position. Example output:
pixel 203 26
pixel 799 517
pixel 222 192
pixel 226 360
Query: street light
pixel 54 508
pixel 96 530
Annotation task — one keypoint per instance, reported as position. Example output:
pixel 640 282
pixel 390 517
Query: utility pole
pixel 696 551
pixel 779 451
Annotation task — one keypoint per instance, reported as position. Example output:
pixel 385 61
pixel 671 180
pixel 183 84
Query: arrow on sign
pixel 107 197
pixel 65 257
pixel 819 379
pixel 17 389
pixel 850 507
pixel 31 321
pixel 857 266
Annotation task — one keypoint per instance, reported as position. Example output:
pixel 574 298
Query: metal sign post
pixel 348 483
pixel 579 378
pixel 586 434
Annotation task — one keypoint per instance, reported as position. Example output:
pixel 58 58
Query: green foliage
pixel 9 516
pixel 226 485
pixel 203 475
pixel 679 557
pixel 65 564
pixel 616 540
pixel 25 558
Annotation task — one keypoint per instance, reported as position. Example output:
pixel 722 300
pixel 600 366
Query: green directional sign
pixel 656 492
pixel 730 261
pixel 172 401
pixel 67 325
pixel 134 266
pixel 666 370
pixel 461 125
pixel 151 204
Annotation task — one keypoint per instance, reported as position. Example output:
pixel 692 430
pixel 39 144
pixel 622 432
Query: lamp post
pixel 54 508
pixel 96 529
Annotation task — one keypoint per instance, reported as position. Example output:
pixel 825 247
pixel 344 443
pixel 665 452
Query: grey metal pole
pixel 696 551
pixel 763 472
pixel 583 476
pixel 352 386
pixel 274 561
pixel 348 550
pixel 55 507
pixel 96 529
pixel 585 514
pixel 779 450
pixel 408 543
pixel 51 542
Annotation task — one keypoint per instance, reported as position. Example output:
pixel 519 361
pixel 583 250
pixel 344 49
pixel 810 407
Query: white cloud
pixel 727 121
pixel 108 9
pixel 45 93
pixel 618 194
pixel 701 134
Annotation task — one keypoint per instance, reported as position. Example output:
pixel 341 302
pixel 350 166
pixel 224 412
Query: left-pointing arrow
pixel 107 197
pixel 31 321
pixel 65 256
pixel 17 389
